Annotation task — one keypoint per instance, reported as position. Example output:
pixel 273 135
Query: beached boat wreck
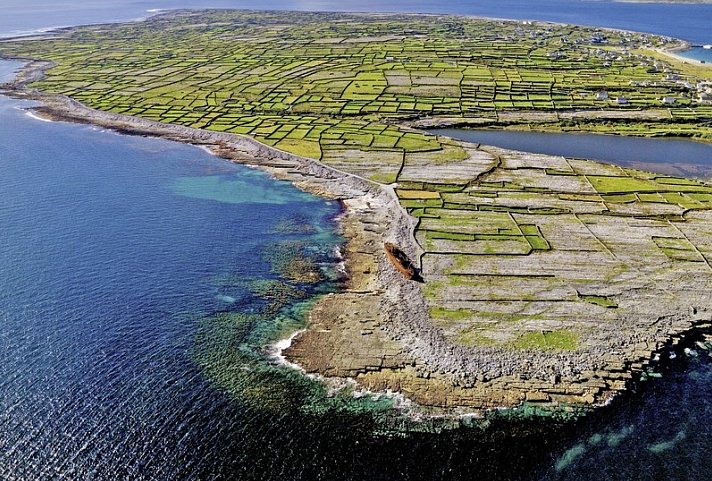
pixel 401 262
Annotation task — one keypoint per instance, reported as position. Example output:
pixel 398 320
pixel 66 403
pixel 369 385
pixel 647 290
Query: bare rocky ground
pixel 616 265
pixel 625 275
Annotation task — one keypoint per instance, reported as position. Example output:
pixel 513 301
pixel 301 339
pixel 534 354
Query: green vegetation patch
pixel 562 340
pixel 538 243
pixel 417 194
pixel 619 185
pixel 304 148
pixel 470 337
pixel 606 184
pixel 603 301
pixel 450 314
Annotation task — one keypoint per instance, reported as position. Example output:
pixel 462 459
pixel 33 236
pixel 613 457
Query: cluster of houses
pixel 701 92
pixel 705 94
pixel 603 95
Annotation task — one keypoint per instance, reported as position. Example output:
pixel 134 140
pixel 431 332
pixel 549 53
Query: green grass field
pixel 327 86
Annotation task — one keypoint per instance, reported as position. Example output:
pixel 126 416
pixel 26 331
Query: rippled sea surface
pixel 113 252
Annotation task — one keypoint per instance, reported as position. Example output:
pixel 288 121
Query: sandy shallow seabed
pixel 378 331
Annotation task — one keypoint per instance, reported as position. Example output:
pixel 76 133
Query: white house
pixel 622 101
pixel 668 100
pixel 602 95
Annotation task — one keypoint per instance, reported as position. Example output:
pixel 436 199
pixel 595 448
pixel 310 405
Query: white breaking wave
pixel 36 117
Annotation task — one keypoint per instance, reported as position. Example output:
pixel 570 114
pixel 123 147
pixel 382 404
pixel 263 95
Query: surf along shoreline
pixel 376 299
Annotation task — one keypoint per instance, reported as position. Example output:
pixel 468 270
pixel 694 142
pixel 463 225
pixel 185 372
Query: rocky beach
pixel 379 330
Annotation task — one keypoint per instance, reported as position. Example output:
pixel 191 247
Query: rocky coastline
pixel 378 330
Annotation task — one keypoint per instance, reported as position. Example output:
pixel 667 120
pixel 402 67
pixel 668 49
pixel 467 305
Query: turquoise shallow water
pixel 247 188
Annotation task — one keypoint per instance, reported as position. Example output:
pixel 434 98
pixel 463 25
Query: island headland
pixel 549 281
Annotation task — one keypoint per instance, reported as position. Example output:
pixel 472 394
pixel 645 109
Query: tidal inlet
pixel 285 244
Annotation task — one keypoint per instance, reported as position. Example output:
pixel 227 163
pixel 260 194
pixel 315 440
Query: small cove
pixel 699 53
pixel 676 157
